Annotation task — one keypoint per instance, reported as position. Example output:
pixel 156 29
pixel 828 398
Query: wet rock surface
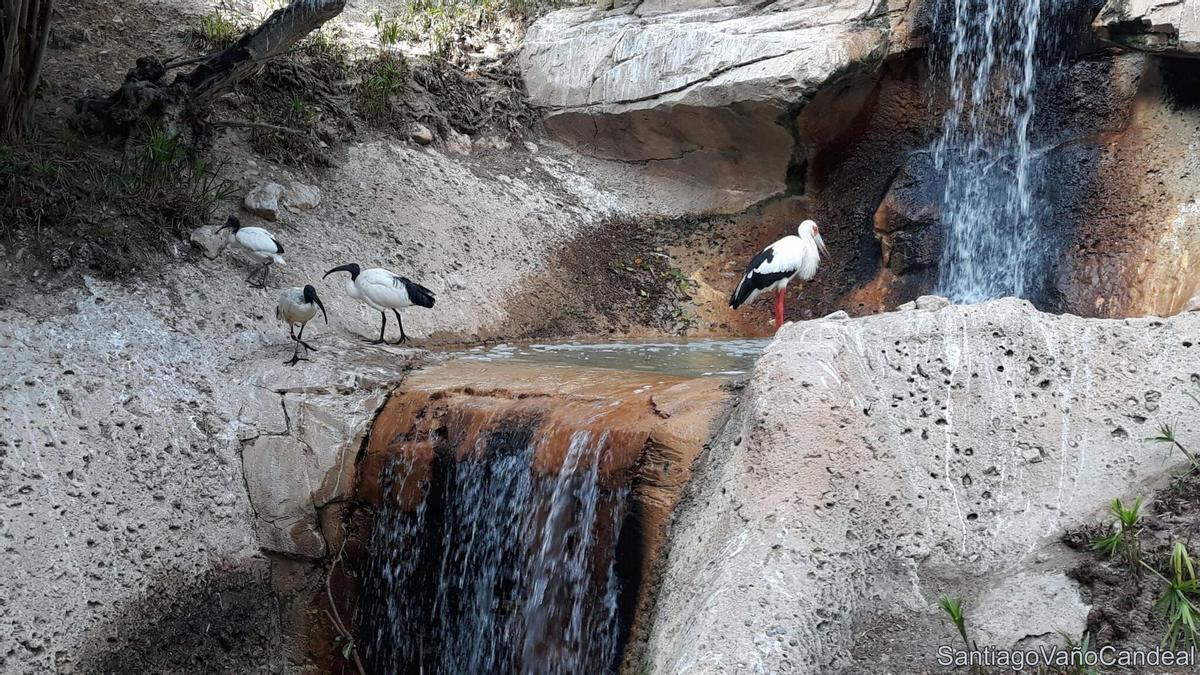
pixel 919 453
pixel 450 422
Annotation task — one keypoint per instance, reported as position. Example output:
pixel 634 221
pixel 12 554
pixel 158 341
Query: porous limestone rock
pixel 1161 26
pixel 877 463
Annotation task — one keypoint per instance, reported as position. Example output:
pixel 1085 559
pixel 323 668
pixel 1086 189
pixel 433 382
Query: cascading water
pixel 499 568
pixel 995 54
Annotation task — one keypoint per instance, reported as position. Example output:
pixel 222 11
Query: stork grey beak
pixel 322 306
pixel 821 246
pixel 342 268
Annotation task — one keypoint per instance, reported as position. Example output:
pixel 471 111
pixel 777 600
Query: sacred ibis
pixel 260 243
pixel 382 290
pixel 794 255
pixel 298 306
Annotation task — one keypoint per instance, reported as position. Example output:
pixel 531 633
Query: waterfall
pixel 499 568
pixel 995 55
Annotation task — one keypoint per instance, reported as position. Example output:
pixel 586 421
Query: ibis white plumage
pixel 297 306
pixel 796 255
pixel 383 290
pixel 261 245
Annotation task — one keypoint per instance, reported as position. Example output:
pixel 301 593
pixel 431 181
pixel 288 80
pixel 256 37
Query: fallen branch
pixel 144 96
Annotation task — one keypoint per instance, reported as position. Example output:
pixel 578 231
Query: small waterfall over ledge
pixel 511 516
pixel 525 575
pixel 995 56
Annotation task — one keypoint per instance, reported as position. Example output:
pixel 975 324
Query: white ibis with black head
pixel 261 245
pixel 796 255
pixel 382 290
pixel 298 306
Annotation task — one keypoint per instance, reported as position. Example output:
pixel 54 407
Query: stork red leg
pixel 779 307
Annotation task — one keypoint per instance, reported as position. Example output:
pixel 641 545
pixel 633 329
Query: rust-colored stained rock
pixel 654 426
pixel 458 407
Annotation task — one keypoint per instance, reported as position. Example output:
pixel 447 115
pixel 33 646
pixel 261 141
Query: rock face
pixel 876 463
pixel 1165 27
pixel 690 87
pixel 908 220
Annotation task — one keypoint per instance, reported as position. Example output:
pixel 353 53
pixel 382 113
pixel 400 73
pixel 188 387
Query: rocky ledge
pixel 696 88
pixel 1166 27
pixel 875 464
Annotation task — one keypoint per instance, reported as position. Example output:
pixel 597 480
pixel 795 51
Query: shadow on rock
pixel 222 620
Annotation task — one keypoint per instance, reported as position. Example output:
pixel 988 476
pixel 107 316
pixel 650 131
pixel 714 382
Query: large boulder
pixel 874 464
pixel 1152 25
pixel 695 89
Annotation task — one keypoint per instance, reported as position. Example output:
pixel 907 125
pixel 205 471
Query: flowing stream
pixel 994 55
pixel 500 564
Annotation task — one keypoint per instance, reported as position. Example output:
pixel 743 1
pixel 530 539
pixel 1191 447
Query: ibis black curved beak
pixel 342 268
pixel 322 306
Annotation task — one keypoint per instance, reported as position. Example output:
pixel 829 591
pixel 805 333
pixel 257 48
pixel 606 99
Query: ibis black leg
pixel 261 273
pixel 295 356
pixel 300 340
pixel 382 327
pixel 403 337
pixel 292 330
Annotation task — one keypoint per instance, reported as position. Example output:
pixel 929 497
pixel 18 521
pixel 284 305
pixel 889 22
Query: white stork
pixel 298 306
pixel 382 290
pixel 772 269
pixel 261 245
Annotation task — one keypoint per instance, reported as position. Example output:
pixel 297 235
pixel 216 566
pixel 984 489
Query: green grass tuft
pixel 1124 538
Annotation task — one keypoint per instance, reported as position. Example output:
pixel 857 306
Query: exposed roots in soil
pixel 301 106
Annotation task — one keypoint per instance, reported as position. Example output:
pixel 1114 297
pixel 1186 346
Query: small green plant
pixel 953 607
pixel 215 31
pixel 1176 601
pixel 1124 538
pixel 1080 654
pixel 300 112
pixel 1166 434
pixel 153 159
pixel 383 78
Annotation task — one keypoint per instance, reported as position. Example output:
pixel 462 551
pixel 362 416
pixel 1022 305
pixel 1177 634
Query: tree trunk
pixel 24 31
pixel 144 96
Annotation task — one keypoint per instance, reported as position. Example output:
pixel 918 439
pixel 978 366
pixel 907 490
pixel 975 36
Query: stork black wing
pixel 753 280
pixel 417 294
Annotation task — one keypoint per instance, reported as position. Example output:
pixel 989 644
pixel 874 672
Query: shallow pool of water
pixel 689 358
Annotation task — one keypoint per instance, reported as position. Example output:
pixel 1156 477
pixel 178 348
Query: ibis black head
pixel 310 296
pixel 352 268
pixel 231 223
